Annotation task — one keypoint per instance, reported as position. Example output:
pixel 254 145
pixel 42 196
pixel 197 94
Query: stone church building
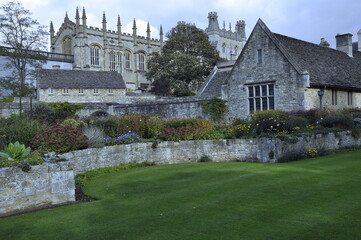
pixel 275 71
pixel 106 50
pixel 228 43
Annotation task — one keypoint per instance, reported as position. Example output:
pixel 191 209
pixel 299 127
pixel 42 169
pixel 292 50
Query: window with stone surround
pixel 115 61
pixel 50 91
pixel 110 90
pixel 66 45
pixel 81 90
pixel 66 90
pixel 94 55
pixel 259 56
pixel 96 90
pixel 261 97
pixel 141 61
pixel 334 97
pixel 127 56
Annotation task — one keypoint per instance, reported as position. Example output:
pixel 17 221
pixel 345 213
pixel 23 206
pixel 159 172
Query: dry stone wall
pixel 46 184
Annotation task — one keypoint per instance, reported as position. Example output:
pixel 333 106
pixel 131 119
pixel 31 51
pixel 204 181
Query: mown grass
pixel 310 199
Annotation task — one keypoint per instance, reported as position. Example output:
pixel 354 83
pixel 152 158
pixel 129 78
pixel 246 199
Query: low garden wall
pixel 46 184
pixel 54 183
pixel 255 149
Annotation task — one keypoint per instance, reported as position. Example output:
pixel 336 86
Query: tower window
pixel 141 61
pixel 94 55
pixel 127 60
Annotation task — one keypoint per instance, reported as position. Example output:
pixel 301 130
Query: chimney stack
pixel 344 43
pixel 324 43
pixel 359 40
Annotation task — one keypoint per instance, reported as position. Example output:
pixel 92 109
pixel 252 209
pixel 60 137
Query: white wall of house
pixel 312 99
pixel 75 96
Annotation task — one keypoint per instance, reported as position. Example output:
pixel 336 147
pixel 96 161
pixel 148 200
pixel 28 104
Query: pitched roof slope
pixel 326 66
pixel 49 78
pixel 213 85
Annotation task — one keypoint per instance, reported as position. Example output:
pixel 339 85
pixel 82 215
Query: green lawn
pixel 310 199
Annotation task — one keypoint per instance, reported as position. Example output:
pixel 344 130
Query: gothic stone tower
pixel 228 43
pixel 106 50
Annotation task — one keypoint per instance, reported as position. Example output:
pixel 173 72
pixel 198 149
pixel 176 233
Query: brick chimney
pixel 344 43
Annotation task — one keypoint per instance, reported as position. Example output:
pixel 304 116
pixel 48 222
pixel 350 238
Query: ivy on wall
pixel 216 107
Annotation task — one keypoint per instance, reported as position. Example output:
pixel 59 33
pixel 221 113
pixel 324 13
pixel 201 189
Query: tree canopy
pixel 21 37
pixel 187 58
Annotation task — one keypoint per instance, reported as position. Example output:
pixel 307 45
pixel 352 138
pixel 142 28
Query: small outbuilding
pixel 76 86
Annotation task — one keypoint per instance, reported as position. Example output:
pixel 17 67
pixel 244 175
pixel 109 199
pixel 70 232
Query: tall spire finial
pixel 77 13
pixel 104 19
pixel 51 27
pixel 66 17
pixel 119 22
pixel 134 24
pixel 161 30
pixel 84 15
pixel 161 33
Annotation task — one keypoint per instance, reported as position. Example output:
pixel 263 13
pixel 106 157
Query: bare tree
pixel 21 37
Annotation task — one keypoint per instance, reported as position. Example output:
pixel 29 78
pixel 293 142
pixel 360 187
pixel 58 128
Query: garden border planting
pixel 54 183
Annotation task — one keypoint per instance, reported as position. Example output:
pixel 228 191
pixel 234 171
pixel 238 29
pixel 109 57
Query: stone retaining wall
pixel 46 184
pixel 262 150
pixel 54 183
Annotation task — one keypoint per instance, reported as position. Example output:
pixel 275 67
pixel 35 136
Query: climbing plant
pixel 215 107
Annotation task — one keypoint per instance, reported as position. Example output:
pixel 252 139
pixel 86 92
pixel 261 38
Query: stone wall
pixel 262 150
pixel 187 107
pixel 46 184
pixel 50 184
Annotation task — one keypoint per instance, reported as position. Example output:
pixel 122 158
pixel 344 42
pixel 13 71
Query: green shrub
pixel 215 107
pixel 269 121
pixel 205 158
pixel 154 126
pixel 74 123
pixel 60 139
pixel 132 123
pixel 63 110
pixel 43 112
pixel 19 129
pixel 241 130
pixel 109 125
pixel 144 126
pixel 312 115
pixel 184 133
pixel 188 122
pixel 343 121
pixel 294 124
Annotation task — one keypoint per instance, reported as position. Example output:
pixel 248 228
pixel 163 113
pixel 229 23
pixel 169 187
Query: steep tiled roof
pixel 49 78
pixel 326 66
pixel 213 85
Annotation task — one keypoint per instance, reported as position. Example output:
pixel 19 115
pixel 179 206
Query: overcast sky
pixel 307 20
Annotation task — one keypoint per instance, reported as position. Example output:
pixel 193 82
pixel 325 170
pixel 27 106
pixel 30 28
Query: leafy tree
pixel 187 58
pixel 22 37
